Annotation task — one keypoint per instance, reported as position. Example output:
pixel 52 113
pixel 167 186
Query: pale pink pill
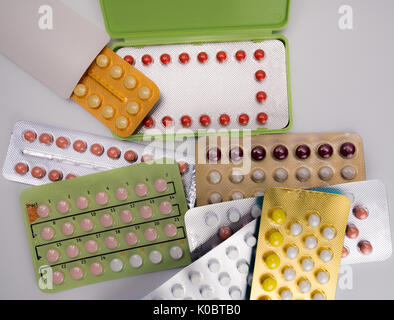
pixel 170 230
pixel 96 268
pixel 111 242
pixel 160 185
pixel 67 228
pixel 86 224
pixel 131 238
pixel 76 273
pixel 150 234
pixel 106 220
pixel 47 233
pixel 43 211
pixel 165 207
pixel 141 189
pixel 52 255
pixel 82 202
pixel 57 277
pixel 146 212
pixel 91 246
pixel 102 198
pixel 126 216
pixel 121 194
pixel 72 251
pixel 62 206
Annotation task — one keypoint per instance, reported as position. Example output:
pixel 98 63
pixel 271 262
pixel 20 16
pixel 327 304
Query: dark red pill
pixel 260 75
pixel 165 58
pixel 303 152
pixel 258 153
pixel 243 119
pixel 347 150
pixel 280 152
pixel 224 119
pixel 259 54
pixel 167 121
pixel 129 59
pixel 184 58
pixel 240 55
pixel 221 56
pixel 146 59
pixel 149 122
pixel 262 117
pixel 186 121
pixel 325 151
pixel 261 96
pixel 202 57
pixel 205 120
pixel 365 247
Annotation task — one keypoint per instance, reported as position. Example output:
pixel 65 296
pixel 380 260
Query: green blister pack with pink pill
pixel 107 225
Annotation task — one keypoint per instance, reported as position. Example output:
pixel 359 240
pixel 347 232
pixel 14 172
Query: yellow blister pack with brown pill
pixel 299 245
pixel 116 93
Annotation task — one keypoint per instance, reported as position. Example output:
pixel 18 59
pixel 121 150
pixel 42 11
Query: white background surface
pixel 341 81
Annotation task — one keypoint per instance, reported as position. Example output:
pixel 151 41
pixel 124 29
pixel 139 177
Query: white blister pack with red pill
pixel 232 85
pixel 39 154
pixel 208 226
pixel 368 236
pixel 223 273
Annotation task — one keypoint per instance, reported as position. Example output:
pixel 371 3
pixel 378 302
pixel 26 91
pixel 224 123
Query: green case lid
pixel 178 21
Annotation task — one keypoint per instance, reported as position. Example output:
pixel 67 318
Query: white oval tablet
pixel 292 252
pixel 295 229
pixel 289 274
pixel 307 264
pixel 328 233
pixel 325 255
pixel 322 277
pixel 314 220
pixel 310 242
pixel 305 286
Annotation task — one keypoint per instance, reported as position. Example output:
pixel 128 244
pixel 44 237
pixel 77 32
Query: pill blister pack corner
pixel 300 244
pixel 236 168
pixel 105 226
pixel 223 273
pixel 208 226
pixel 116 93
pixel 368 236
pixel 39 154
pixel 237 85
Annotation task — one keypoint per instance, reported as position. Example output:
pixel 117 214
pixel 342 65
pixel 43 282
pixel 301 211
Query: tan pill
pixel 130 82
pixel 80 90
pixel 144 93
pixel 94 101
pixel 107 112
pixel 132 108
pixel 121 122
pixel 102 60
pixel 116 72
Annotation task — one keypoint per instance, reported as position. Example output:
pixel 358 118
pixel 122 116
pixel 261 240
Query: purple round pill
pixel 214 154
pixel 280 152
pixel 258 153
pixel 303 152
pixel 347 150
pixel 325 151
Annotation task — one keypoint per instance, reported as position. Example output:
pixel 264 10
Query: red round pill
pixel 184 58
pixel 243 119
pixel 202 57
pixel 146 59
pixel 259 54
pixel 167 121
pixel 221 56
pixel 38 172
pixel 113 153
pixel 21 168
pixel 149 122
pixel 79 146
pixel 62 142
pixel 165 58
pixel 351 231
pixel 260 75
pixel 225 233
pixel 97 149
pixel 70 176
pixel 186 121
pixel 262 117
pixel 129 59
pixel 30 136
pixel 261 96
pixel 360 212
pixel 345 252
pixel 205 120
pixel 240 55
pixel 365 247
pixel 46 138
pixel 224 119
pixel 55 175
pixel 130 156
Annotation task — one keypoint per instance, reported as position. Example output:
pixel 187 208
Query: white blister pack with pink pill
pixel 208 226
pixel 229 85
pixel 39 154
pixel 223 273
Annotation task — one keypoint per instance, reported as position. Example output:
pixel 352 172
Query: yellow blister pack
pixel 116 93
pixel 299 245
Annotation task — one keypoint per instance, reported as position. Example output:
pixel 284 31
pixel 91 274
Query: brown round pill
pixel 113 153
pixel 352 231
pixel 365 247
pixel 97 149
pixel 79 146
pixel 360 212
pixel 55 175
pixel 225 233
pixel 62 142
pixel 345 252
pixel 21 168
pixel 146 158
pixel 29 136
pixel 130 156
pixel 70 176
pixel 46 138
pixel 38 172
pixel 183 166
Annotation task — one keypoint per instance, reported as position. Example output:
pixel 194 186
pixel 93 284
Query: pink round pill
pixel 86 224
pixel 170 230
pixel 76 273
pixel 47 233
pixel 52 255
pixel 160 185
pixel 72 251
pixel 150 234
pixel 102 198
pixel 111 242
pixel 67 228
pixel 131 238
pixel 82 202
pixel 62 206
pixel 126 216
pixel 165 207
pixel 146 212
pixel 141 189
pixel 43 211
pixel 106 220
pixel 121 194
pixel 57 277
pixel 91 246
pixel 96 268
